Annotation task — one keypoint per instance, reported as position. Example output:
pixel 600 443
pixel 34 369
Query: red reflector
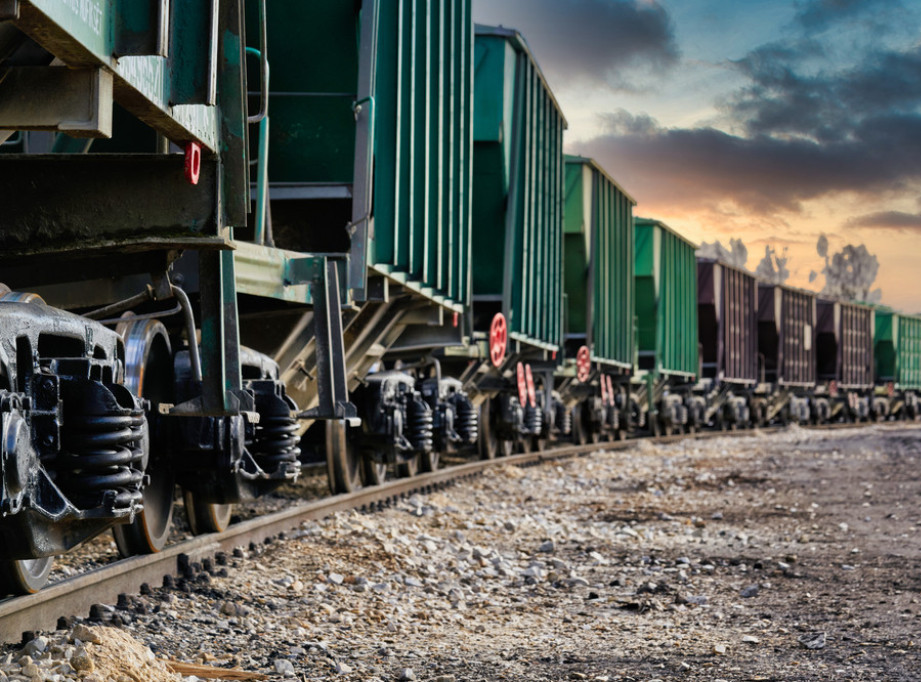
pixel 192 162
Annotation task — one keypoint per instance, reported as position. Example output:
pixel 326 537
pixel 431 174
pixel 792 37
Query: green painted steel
pixel 517 189
pixel 420 110
pixel 666 300
pixel 897 349
pixel 599 261
pixel 98 33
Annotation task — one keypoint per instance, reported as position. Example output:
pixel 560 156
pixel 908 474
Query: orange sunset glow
pixel 774 122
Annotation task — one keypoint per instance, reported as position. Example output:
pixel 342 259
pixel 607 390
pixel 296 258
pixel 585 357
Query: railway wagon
pixel 666 338
pixel 124 148
pixel 786 347
pixel 516 318
pixel 593 381
pixel 897 357
pixel 727 311
pixel 370 161
pixel 844 361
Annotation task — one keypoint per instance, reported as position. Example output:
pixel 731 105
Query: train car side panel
pixel 844 344
pixel 728 322
pixel 599 263
pixel 518 190
pixel 786 335
pixel 666 300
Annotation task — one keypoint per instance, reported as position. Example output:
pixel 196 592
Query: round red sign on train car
pixel 498 339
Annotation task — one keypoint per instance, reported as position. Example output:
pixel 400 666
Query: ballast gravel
pixel 787 556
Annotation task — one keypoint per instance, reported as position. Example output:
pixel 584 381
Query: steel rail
pixel 103 585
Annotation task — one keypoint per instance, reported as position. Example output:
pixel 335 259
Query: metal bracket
pixel 142 28
pixel 75 101
pixel 304 270
pixel 332 389
pixel 9 9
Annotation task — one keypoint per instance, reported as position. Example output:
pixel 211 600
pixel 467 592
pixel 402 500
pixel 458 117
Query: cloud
pixel 589 41
pixel 825 107
pixel 892 220
pixel 796 136
pixel 701 167
pixel 817 15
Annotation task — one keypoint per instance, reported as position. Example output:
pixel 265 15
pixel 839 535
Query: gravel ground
pixel 791 556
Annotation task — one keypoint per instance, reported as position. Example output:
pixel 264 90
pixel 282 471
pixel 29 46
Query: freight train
pixel 236 237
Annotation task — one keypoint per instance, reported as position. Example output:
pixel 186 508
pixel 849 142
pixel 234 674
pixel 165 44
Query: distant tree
pixel 850 273
pixel 736 254
pixel 773 268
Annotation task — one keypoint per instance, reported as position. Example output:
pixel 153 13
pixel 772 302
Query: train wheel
pixel 524 444
pixel 150 530
pixel 343 461
pixel 374 470
pixel 205 517
pixel 428 461
pixel 149 375
pixel 409 467
pixel 540 444
pixel 506 448
pixel 580 433
pixel 24 576
pixel 488 443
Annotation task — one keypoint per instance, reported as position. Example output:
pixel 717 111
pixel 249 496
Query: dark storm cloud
pixel 824 107
pixel 588 40
pixel 800 135
pixel 893 220
pixel 815 15
pixel 704 166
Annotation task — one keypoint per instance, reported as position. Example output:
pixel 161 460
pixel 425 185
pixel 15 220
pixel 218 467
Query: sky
pixel 772 121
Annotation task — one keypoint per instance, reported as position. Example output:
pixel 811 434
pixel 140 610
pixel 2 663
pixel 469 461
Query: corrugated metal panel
pixel 518 188
pixel 885 338
pixel 666 300
pixel 422 129
pixel 844 343
pixel 599 262
pixel 727 299
pixel 909 352
pixel 786 334
pixel 897 348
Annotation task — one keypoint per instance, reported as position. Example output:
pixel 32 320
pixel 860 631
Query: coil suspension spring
pixel 613 417
pixel 421 425
pixel 102 457
pixel 533 419
pixel 466 420
pixel 276 441
pixel 564 419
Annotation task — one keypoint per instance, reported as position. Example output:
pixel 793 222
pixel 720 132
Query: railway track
pixel 103 585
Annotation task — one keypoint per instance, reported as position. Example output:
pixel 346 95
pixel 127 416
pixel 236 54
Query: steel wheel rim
pixel 343 463
pixel 26 576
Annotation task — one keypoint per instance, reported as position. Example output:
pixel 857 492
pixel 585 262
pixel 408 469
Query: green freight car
pixel 370 154
pixel 369 150
pixel 599 262
pixel 666 301
pixel 666 318
pixel 517 281
pixel 599 281
pixel 517 192
pixel 897 358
